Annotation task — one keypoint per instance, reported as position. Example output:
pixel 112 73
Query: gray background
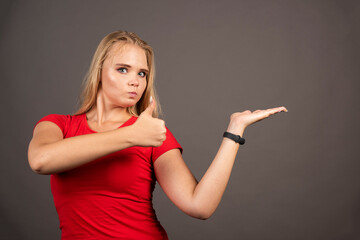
pixel 297 177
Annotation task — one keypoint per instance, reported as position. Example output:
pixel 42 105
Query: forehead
pixel 127 53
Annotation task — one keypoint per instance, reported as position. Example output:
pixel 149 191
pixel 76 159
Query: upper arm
pixel 45 132
pixel 176 179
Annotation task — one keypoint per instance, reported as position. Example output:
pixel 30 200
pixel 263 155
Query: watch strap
pixel 235 138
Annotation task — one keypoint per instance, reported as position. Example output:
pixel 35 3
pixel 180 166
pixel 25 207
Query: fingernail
pixel 150 99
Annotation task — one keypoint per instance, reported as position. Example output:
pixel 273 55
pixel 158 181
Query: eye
pixel 142 74
pixel 122 70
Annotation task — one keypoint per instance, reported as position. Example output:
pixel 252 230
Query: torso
pixel 110 197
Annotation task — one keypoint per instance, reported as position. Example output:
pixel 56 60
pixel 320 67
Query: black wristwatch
pixel 234 137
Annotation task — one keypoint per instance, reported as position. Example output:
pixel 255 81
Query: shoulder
pixel 169 144
pixel 62 121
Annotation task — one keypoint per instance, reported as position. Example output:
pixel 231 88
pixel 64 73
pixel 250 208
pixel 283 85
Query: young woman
pixel 105 159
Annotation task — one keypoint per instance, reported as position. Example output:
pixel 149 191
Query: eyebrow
pixel 128 66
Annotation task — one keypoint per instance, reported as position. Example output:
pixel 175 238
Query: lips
pixel 132 94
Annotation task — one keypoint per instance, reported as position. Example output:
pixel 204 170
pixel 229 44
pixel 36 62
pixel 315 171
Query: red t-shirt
pixel 110 197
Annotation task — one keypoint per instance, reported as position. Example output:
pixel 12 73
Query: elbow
pixel 37 167
pixel 37 164
pixel 201 213
pixel 201 216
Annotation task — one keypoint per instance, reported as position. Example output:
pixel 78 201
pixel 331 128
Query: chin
pixel 129 104
pixel 126 105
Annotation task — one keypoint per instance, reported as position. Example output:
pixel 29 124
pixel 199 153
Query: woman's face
pixel 124 75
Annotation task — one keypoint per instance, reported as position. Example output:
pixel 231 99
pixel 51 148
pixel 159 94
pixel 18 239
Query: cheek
pixel 109 79
pixel 145 83
pixel 143 87
pixel 111 82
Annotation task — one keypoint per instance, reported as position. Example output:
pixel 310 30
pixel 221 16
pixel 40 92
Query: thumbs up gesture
pixel 150 132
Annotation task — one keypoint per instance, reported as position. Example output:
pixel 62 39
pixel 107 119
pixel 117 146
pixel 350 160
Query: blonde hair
pixel 92 79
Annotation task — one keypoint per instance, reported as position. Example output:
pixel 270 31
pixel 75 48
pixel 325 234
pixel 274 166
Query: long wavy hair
pixel 92 81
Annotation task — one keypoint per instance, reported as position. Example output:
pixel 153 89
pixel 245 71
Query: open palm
pixel 240 120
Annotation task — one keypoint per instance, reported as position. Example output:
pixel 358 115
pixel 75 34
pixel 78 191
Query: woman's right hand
pixel 149 131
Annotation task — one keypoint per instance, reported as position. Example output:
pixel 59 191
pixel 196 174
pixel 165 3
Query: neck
pixel 104 112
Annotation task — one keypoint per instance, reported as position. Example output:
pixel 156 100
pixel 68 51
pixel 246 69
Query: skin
pixel 123 72
pixel 123 82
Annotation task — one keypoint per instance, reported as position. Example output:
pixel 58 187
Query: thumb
pixel 150 109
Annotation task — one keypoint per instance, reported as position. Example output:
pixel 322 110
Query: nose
pixel 134 81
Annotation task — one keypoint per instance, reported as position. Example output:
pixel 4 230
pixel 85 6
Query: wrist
pixel 130 135
pixel 237 130
pixel 235 138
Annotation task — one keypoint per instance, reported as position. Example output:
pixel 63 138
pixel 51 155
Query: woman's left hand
pixel 240 120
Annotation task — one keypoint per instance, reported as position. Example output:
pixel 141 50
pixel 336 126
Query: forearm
pixel 209 191
pixel 72 152
pixel 200 199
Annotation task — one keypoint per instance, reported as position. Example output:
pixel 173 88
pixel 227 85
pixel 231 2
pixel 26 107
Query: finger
pixel 261 114
pixel 280 109
pixel 150 109
pixel 272 111
pixel 246 112
pixel 283 109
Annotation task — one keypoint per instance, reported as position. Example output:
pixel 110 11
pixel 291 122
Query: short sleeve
pixel 58 119
pixel 168 144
